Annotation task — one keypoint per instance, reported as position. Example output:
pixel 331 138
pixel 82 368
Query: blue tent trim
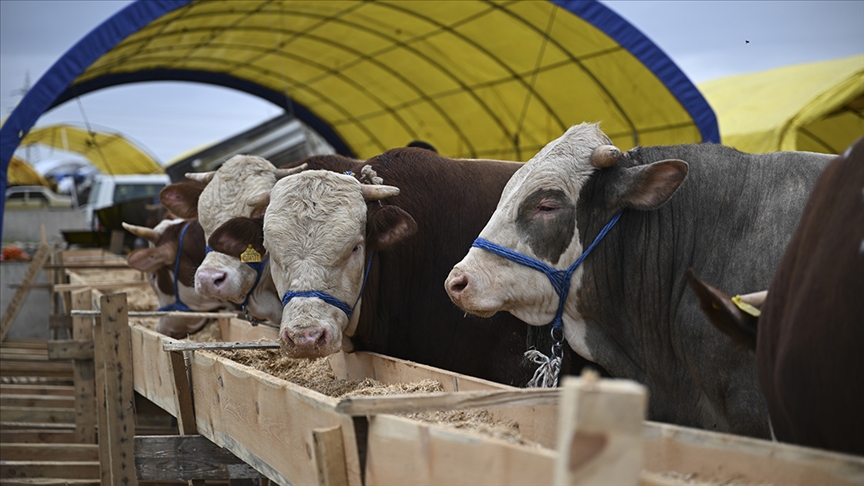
pixel 219 79
pixel 653 58
pixel 77 59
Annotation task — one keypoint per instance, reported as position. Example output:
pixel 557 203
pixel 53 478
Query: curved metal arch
pixel 278 98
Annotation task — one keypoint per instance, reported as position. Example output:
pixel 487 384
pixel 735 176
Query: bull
pixel 725 213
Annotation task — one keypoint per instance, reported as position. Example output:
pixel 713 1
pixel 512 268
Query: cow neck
pixel 259 269
pixel 339 304
pixel 550 366
pixel 178 304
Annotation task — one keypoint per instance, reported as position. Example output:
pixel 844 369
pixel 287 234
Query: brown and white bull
pixel 710 207
pixel 326 233
pixel 176 249
pixel 222 275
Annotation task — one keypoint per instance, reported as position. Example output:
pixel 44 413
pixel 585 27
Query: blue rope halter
pixel 178 304
pixel 341 305
pixel 547 374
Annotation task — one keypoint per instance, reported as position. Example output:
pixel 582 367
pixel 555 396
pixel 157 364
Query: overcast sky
pixel 707 39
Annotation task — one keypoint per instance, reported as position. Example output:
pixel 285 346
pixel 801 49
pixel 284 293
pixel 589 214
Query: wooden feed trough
pixel 294 435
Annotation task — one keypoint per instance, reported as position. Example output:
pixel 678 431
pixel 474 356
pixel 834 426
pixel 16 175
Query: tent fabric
pixel 814 107
pixel 111 153
pixel 477 79
pixel 22 174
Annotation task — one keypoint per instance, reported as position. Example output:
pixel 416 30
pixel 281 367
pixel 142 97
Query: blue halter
pixel 549 368
pixel 178 304
pixel 560 278
pixel 341 305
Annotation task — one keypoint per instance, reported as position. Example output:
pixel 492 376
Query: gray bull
pixel 628 308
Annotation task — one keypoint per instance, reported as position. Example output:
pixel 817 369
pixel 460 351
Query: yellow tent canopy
pixel 111 153
pixel 22 174
pixel 814 107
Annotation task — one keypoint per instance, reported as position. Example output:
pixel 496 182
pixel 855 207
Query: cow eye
pixel 355 249
pixel 547 207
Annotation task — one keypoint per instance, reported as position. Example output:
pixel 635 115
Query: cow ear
pixel 647 187
pixel 387 226
pixel 181 198
pixel 723 313
pixel 149 260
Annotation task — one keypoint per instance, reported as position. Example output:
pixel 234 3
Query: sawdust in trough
pixel 317 375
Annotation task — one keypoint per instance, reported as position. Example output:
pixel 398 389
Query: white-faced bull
pixel 710 207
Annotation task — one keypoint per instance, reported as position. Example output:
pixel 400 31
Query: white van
pixel 108 190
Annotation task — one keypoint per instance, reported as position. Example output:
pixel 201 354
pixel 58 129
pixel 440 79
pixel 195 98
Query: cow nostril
pixel 322 340
pixel 219 280
pixel 286 337
pixel 458 284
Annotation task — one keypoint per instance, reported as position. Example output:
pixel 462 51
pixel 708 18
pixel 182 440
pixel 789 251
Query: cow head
pixel 159 261
pixel 222 196
pixel 576 176
pixel 319 234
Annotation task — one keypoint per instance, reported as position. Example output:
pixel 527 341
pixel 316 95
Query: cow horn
pixel 260 200
pixel 202 177
pixel 372 192
pixel 280 173
pixel 148 234
pixel 605 156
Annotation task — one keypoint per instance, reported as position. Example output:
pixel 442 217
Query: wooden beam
pixel 600 432
pixel 60 321
pixel 330 456
pixel 409 403
pixel 44 401
pixel 186 457
pixel 119 391
pixel 212 315
pixel 37 415
pixel 49 469
pixel 184 346
pixel 17 301
pixel 78 349
pixel 49 482
pixel 50 452
pixel 185 408
pixel 84 373
pixel 37 436
pixel 105 286
pixel 37 390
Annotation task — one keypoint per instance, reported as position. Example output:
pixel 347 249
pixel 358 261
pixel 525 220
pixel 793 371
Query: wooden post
pixel 116 245
pixel 185 407
pixel 600 432
pixel 119 391
pixel 11 313
pixel 330 456
pixel 84 374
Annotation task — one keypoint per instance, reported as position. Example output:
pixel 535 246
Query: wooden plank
pixel 24 343
pixel 404 451
pixel 151 368
pixel 37 389
pixel 119 390
pixel 265 421
pixel 186 457
pixel 35 369
pixel 412 403
pixel 36 380
pixel 37 436
pixel 59 321
pixel 20 296
pixel 242 330
pixel 726 458
pixel 44 401
pixel 104 286
pixel 330 456
pixel 186 346
pixel 84 373
pixel 600 431
pixel 48 482
pixel 38 415
pixel 186 412
pixel 49 452
pixel 49 469
pixel 212 315
pixel 78 349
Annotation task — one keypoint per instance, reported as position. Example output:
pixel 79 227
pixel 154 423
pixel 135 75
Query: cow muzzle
pixel 309 342
pixel 461 287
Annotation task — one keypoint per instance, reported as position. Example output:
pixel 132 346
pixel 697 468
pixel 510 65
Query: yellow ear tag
pixel 249 255
pixel 744 306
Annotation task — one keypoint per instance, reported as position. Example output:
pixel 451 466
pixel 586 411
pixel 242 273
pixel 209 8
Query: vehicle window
pixel 38 196
pixel 94 192
pixel 17 195
pixel 129 192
